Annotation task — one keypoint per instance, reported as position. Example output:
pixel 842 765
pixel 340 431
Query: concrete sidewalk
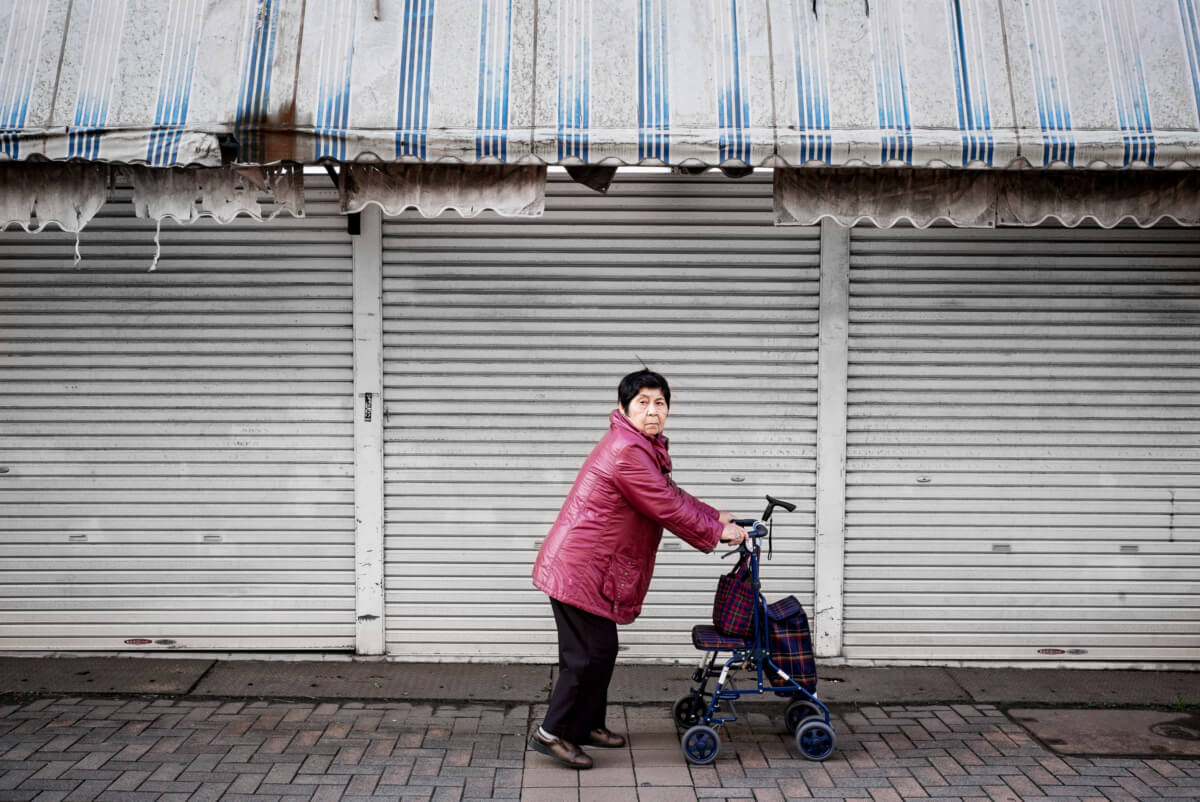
pixel 514 682
pixel 114 728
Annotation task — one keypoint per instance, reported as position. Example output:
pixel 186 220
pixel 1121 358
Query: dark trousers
pixel 587 653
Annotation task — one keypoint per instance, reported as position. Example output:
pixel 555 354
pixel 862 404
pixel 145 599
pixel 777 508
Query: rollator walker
pixel 701 712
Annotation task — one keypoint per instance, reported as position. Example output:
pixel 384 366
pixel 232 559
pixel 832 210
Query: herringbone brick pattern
pixel 933 753
pixel 186 749
pixel 175 750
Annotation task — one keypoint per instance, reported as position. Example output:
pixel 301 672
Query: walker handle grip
pixel 773 502
pixel 778 502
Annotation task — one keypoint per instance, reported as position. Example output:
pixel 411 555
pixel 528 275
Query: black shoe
pixel 564 752
pixel 605 738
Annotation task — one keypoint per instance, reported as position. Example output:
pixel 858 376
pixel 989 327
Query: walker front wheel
pixel 688 710
pixel 815 739
pixel 700 744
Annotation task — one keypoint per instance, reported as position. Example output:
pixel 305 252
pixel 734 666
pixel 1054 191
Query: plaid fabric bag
pixel 790 643
pixel 733 606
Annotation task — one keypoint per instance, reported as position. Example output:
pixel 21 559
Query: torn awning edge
pixel 66 195
pixel 221 193
pixel 985 199
pixel 69 195
pixel 432 189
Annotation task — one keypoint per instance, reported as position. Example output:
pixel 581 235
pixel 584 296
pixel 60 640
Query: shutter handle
pixel 3 469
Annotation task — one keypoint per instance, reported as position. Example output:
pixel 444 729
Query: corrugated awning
pixel 991 83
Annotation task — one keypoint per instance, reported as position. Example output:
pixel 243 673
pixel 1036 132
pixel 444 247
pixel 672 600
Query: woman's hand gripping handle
pixel 733 534
pixel 750 529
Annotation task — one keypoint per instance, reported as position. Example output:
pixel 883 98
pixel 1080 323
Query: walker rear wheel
pixel 798 710
pixel 700 744
pixel 689 710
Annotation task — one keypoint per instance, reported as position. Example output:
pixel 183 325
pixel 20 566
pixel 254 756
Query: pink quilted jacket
pixel 599 555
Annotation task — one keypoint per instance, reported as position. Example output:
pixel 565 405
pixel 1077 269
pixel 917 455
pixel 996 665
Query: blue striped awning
pixel 990 83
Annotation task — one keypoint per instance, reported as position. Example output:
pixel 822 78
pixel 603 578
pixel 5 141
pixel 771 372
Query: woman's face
pixel 648 411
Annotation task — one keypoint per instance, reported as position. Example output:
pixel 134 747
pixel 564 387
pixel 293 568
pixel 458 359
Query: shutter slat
pixel 504 342
pixel 1023 455
pixel 179 443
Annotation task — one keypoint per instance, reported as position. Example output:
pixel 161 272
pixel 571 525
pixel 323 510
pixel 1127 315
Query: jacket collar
pixel 658 443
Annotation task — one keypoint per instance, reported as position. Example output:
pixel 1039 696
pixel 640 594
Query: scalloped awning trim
pixel 986 199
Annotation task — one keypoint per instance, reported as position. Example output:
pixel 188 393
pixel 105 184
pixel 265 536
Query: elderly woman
pixel 597 560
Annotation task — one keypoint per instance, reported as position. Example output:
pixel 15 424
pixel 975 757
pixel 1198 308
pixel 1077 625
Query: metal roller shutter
pixel 1024 453
pixel 503 344
pixel 177 444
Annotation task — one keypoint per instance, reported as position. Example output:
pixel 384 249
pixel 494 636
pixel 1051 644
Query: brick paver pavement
pixel 188 749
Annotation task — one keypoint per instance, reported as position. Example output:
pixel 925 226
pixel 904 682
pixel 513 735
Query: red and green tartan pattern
pixel 790 643
pixel 733 606
pixel 706 638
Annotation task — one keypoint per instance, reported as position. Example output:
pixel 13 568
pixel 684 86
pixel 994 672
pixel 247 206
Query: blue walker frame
pixel 700 713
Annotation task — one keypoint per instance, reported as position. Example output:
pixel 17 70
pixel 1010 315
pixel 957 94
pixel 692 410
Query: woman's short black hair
pixel 640 380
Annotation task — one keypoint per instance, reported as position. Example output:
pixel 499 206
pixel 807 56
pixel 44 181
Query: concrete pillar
pixel 832 375
pixel 367 254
